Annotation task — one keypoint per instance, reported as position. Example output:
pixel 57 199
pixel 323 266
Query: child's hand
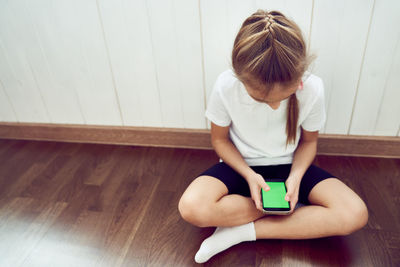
pixel 256 182
pixel 292 195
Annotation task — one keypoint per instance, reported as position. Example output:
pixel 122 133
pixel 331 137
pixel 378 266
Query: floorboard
pixel 71 204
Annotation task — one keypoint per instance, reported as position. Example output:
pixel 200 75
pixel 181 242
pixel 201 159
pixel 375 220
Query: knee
pixel 353 218
pixel 194 211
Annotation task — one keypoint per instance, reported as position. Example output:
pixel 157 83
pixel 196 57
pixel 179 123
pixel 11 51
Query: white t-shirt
pixel 257 130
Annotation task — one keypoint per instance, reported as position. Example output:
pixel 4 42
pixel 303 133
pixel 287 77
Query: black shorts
pixel 236 184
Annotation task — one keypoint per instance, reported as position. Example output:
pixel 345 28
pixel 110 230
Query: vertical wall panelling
pixel 237 11
pixel 97 97
pixel 221 21
pixel 216 41
pixel 153 63
pixel 61 64
pixel 164 49
pixel 206 122
pixel 384 33
pixel 340 30
pixel 172 76
pixel 15 73
pixel 140 78
pixel 129 45
pixel 388 119
pixel 49 30
pixel 112 20
pixel 187 24
pixel 299 11
pixel 7 112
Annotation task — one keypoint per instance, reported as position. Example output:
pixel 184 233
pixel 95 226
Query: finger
pixel 258 201
pixel 258 204
pixel 264 186
pixel 293 205
pixel 288 196
pixel 255 201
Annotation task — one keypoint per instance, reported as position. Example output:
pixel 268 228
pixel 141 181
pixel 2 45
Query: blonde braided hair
pixel 270 20
pixel 270 49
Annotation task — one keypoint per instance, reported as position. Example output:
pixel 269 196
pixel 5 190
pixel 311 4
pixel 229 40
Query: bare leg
pixel 335 210
pixel 205 203
pixel 235 210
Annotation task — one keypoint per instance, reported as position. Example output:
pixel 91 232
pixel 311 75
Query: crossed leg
pixel 206 203
pixel 335 210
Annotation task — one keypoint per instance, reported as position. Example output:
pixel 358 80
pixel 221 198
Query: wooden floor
pixel 69 204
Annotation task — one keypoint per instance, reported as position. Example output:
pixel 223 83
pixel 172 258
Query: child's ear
pixel 301 85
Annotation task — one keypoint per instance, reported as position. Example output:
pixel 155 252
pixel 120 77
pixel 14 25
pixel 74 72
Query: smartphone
pixel 273 200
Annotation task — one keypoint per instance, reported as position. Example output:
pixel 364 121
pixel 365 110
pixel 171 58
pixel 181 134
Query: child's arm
pixel 227 151
pixel 304 153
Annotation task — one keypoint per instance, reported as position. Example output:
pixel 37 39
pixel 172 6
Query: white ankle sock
pixel 223 238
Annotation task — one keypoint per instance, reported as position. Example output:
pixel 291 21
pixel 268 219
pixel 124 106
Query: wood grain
pixel 71 204
pixel 328 144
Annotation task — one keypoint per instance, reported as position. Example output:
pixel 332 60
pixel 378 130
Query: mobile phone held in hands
pixel 273 200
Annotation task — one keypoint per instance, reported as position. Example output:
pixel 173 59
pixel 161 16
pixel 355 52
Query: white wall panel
pixel 188 46
pixel 154 62
pixel 237 11
pixel 299 11
pixel 216 41
pixel 383 35
pixel 128 40
pixel 338 37
pixel 49 38
pixel 171 75
pixel 15 70
pixel 7 112
pixel 164 39
pixel 388 119
pixel 78 93
pixel 96 91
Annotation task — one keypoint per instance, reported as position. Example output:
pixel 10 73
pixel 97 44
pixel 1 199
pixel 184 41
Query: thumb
pixel 257 201
pixel 265 186
pixel 289 193
pixel 259 205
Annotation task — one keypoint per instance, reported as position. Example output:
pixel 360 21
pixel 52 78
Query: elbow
pixel 307 147
pixel 216 142
pixel 215 145
pixel 307 143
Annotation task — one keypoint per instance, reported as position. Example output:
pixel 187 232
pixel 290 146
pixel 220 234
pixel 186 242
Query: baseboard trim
pixel 328 144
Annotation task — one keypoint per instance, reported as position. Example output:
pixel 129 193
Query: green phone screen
pixel 275 197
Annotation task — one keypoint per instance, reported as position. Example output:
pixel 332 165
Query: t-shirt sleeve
pixel 216 110
pixel 316 118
